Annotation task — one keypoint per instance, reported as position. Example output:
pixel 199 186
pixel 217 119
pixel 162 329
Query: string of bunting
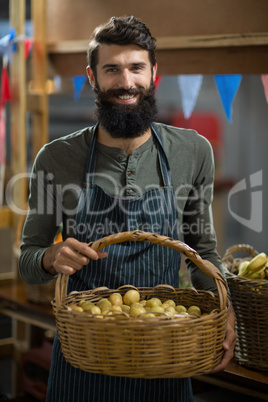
pixel 190 86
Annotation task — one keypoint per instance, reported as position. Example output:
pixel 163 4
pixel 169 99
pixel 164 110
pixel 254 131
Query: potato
pixel 131 296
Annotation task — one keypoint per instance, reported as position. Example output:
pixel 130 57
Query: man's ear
pixel 154 72
pixel 91 76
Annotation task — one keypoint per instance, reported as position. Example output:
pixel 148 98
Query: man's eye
pixel 111 70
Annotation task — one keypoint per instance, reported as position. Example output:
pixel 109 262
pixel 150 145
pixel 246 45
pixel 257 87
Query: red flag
pixel 5 91
pixel 28 46
pixel 157 81
pixel 264 79
pixel 2 138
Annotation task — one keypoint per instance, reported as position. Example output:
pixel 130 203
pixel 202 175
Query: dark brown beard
pixel 126 121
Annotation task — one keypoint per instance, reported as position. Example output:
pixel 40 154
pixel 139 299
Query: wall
pixel 76 20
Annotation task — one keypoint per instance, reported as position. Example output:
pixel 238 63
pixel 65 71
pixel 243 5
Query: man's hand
pixel 69 256
pixel 229 342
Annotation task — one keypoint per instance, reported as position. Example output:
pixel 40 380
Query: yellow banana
pixel 257 275
pixel 257 263
pixel 242 267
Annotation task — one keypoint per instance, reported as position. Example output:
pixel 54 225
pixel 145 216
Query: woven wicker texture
pixel 250 302
pixel 158 347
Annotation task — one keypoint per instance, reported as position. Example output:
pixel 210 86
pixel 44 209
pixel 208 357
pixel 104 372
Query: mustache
pixel 122 91
pixel 110 93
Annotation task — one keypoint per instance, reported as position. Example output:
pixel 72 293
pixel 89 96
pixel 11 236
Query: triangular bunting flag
pixel 78 83
pixel 227 87
pixel 189 87
pixel 28 46
pixel 5 91
pixel 4 42
pixel 57 83
pixel 7 43
pixel 264 79
pixel 2 153
pixel 157 81
pixel 2 138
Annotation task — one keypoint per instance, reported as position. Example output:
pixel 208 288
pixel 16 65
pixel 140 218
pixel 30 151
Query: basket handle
pixel 239 247
pixel 138 235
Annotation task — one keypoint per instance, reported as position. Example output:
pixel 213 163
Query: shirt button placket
pixel 130 176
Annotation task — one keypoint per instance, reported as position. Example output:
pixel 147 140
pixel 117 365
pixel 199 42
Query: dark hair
pixel 121 31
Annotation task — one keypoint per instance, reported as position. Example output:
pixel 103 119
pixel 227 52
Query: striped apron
pixel 136 263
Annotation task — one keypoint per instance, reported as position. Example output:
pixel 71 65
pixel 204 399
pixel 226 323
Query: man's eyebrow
pixel 110 65
pixel 140 63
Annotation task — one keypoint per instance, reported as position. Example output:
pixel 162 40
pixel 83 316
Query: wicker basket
pixel 250 302
pixel 134 347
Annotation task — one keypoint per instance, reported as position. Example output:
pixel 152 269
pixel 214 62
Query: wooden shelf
pixel 175 42
pixel 240 379
pixel 245 53
pixel 212 41
pixel 14 303
pixel 5 217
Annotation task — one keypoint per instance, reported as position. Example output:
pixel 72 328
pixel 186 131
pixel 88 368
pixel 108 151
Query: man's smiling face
pixel 123 68
pixel 123 84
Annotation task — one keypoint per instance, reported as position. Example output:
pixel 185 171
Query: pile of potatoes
pixel 130 304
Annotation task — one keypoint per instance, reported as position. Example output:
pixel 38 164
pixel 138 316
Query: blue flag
pixel 78 83
pixel 227 87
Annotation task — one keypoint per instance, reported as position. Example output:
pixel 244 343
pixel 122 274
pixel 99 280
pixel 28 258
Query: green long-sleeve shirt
pixel 56 184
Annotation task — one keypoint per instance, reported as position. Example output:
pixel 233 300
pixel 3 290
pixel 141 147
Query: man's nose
pixel 126 80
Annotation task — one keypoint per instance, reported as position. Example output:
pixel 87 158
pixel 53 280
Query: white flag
pixel 189 86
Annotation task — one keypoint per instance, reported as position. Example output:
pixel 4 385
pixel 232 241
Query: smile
pixel 126 97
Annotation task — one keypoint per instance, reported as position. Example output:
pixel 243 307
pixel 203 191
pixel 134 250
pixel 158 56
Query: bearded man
pixel 123 174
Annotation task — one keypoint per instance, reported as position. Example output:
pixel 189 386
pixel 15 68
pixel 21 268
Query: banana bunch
pixel 257 268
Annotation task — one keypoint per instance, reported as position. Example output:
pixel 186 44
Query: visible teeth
pixel 126 97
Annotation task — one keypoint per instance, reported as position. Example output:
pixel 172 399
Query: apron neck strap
pixel 91 161
pixel 163 160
